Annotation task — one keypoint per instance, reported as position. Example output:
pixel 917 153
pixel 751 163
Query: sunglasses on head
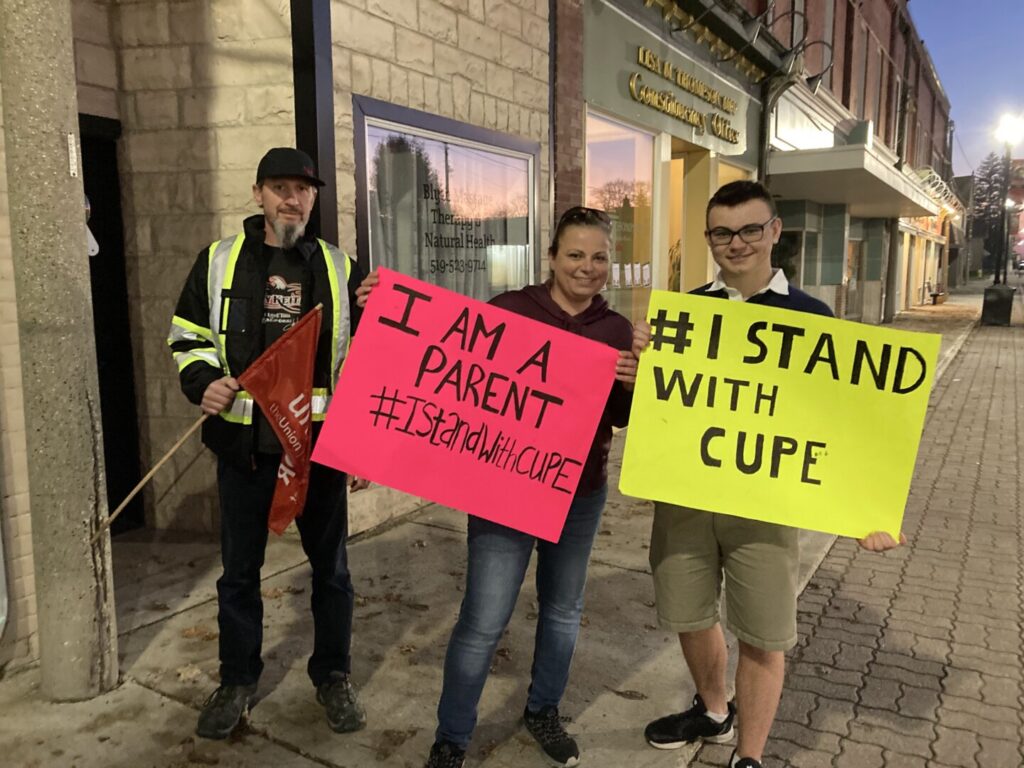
pixel 581 214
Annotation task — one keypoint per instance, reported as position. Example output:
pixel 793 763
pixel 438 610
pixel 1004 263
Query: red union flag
pixel 281 383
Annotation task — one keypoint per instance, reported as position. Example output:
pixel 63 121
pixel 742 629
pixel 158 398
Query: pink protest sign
pixel 468 405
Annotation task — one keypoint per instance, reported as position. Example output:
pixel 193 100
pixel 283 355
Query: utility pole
pixel 74 588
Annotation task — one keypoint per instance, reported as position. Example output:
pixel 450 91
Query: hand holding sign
pixel 467 405
pixel 366 288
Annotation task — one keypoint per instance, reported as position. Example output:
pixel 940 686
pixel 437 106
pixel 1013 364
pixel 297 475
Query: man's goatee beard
pixel 288 234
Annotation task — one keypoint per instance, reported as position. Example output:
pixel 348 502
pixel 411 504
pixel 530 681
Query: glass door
pixel 619 180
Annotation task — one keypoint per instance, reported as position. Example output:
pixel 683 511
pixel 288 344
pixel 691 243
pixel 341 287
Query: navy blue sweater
pixel 796 300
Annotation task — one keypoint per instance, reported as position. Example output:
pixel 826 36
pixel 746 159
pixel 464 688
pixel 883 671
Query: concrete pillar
pixel 74 589
pixel 891 289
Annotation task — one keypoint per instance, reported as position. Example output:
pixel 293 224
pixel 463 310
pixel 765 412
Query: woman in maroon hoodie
pixel 498 556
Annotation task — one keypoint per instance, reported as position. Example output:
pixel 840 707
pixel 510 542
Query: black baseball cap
pixel 287 162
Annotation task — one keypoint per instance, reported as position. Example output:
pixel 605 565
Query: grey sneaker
pixel 673 731
pixel 223 710
pixel 344 713
pixel 546 727
pixel 444 754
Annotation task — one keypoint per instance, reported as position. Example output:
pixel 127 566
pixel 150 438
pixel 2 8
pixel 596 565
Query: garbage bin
pixel 998 305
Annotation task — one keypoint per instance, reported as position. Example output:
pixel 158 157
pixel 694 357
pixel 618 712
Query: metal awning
pixel 854 175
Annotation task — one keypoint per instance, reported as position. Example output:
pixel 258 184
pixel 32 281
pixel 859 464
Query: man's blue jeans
pixel 497 561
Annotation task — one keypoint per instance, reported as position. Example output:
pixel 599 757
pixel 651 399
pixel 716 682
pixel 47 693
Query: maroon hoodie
pixel 600 323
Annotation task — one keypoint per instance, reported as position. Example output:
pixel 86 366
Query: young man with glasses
pixel 691 550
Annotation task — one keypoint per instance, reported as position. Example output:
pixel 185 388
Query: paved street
pixel 912 658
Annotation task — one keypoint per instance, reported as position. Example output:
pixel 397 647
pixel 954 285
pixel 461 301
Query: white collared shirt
pixel 778 284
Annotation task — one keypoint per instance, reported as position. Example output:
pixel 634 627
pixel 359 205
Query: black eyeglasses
pixel 581 214
pixel 751 233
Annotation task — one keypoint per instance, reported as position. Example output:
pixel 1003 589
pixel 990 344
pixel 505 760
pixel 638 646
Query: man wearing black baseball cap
pixel 242 294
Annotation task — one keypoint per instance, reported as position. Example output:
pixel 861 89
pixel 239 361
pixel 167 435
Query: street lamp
pixel 1009 133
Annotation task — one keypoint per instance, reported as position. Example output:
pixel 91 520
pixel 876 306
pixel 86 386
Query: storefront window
pixel 620 166
pixel 447 211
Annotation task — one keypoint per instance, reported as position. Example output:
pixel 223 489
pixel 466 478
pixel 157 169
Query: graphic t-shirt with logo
pixel 283 304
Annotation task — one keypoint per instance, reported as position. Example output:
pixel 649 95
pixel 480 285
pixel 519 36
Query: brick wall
pixel 570 111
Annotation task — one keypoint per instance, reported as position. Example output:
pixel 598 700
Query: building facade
pixel 836 104
pixel 866 158
pixel 457 129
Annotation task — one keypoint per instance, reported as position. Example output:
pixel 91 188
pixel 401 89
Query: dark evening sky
pixel 977 48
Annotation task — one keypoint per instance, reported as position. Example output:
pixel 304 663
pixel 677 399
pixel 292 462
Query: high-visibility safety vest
pixel 208 345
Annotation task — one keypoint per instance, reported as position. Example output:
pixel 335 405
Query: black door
pixel 110 316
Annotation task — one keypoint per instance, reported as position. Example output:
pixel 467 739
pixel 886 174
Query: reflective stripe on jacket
pixel 223 257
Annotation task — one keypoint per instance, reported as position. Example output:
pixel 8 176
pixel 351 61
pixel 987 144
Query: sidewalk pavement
pixel 933 626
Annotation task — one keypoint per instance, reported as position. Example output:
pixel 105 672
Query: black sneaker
pixel 344 713
pixel 673 731
pixel 444 754
pixel 223 710
pixel 743 762
pixel 546 727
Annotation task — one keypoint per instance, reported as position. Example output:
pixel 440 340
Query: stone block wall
pixel 483 63
pixel 206 88
pixel 95 59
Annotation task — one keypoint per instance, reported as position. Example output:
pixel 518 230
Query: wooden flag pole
pixel 149 476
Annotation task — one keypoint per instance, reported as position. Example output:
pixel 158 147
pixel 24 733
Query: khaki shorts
pixel 690 550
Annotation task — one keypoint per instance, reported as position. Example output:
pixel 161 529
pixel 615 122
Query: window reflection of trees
pixel 404 220
pixel 628 203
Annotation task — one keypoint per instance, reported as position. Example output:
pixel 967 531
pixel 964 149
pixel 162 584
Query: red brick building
pixel 836 103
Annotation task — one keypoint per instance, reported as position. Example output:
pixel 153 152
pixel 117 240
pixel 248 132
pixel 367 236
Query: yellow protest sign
pixel 777 415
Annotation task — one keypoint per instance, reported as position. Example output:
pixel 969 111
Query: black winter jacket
pixel 243 324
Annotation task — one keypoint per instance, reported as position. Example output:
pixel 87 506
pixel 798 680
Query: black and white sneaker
pixel 743 762
pixel 546 727
pixel 444 754
pixel 673 731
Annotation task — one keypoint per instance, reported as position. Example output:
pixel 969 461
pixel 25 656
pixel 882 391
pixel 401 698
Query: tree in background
pixel 989 191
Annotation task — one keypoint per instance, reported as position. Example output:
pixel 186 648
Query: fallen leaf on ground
pixel 199 633
pixel 390 741
pixel 189 673
pixel 628 694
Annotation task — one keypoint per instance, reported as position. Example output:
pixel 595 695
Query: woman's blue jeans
pixel 497 562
